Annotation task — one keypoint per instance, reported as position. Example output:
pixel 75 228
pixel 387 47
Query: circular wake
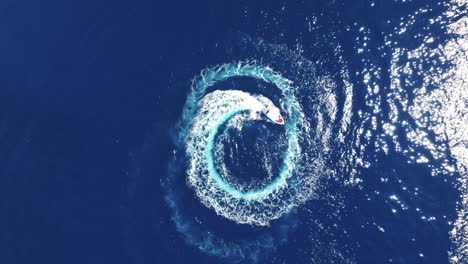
pixel 204 116
pixel 243 161
pixel 246 163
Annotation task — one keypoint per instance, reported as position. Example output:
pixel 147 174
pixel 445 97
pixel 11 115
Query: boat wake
pixel 210 140
pixel 255 206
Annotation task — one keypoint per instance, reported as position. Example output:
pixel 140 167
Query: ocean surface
pixel 136 132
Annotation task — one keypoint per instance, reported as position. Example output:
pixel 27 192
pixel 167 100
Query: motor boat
pixel 274 115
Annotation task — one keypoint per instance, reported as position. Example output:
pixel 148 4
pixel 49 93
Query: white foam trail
pixel 215 109
pixel 232 108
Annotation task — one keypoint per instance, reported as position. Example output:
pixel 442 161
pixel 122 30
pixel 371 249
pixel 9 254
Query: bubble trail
pixel 204 114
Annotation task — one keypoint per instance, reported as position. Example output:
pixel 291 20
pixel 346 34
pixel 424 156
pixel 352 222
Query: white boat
pixel 274 114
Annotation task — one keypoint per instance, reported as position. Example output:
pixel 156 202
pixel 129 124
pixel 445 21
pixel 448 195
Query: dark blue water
pixel 92 169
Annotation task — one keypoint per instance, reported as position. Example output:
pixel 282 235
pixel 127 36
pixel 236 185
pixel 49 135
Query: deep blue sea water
pixel 100 161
